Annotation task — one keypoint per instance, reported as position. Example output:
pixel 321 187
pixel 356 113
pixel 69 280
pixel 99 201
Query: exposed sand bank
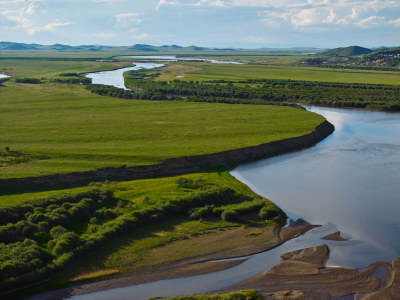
pixel 198 265
pixel 302 274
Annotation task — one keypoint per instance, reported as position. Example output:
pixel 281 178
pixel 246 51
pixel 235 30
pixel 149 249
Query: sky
pixel 207 23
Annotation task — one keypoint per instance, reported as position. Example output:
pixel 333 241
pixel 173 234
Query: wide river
pixel 348 182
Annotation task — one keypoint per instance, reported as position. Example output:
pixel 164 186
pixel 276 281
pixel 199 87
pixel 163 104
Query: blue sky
pixel 213 23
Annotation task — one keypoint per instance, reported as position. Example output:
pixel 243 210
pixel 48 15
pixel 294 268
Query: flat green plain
pixel 207 71
pixel 50 69
pixel 81 131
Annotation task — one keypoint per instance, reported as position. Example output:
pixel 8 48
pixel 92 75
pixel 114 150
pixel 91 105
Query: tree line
pixel 257 91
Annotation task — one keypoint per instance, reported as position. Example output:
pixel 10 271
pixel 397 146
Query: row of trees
pixel 266 91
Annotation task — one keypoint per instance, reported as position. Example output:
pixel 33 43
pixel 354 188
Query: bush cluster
pixel 232 212
pixel 28 80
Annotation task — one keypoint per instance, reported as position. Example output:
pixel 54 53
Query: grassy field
pixel 207 71
pixel 52 69
pixel 79 131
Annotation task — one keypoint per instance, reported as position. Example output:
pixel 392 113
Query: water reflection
pixel 350 179
pixel 116 77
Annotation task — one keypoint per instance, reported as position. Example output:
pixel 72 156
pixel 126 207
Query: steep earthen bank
pixel 173 166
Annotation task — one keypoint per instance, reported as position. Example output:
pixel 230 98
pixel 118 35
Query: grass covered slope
pixel 79 131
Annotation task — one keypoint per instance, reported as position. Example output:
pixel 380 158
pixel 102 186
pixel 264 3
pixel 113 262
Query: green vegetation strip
pixel 241 295
pixel 207 71
pixel 259 91
pixel 39 236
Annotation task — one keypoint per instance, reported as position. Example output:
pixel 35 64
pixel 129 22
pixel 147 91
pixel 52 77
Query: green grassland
pixel 207 71
pixel 79 131
pixel 52 69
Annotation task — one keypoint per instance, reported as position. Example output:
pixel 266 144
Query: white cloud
pixel 135 34
pixel 218 3
pixel 128 19
pixel 26 14
pixel 48 27
pixel 395 22
pixel 372 21
pixel 165 2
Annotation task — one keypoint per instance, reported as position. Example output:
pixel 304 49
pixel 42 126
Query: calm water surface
pixel 174 58
pixel 116 77
pixel 351 179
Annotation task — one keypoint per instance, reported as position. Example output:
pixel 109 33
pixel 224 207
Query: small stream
pixel 348 182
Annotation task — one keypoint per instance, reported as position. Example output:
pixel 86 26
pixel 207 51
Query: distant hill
pixel 10 46
pixel 142 49
pixel 346 51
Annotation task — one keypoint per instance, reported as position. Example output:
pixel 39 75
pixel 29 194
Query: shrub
pixel 202 212
pixel 270 211
pixel 57 231
pixel 184 183
pixel 43 226
pixel 230 215
pixel 66 243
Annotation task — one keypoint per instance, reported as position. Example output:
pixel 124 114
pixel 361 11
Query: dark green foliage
pixel 43 226
pixel 69 74
pixel 270 211
pixel 80 80
pixel 18 212
pixel 28 80
pixel 267 91
pixel 230 215
pixel 21 257
pixel 57 231
pixel 66 242
pixel 202 212
pixel 109 90
pixel 184 182
pixel 2 80
pixel 12 232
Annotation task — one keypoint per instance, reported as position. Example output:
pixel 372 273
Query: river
pixel 348 182
pixel 116 77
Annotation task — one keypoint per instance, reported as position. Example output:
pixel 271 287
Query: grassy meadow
pixel 277 70
pixel 51 69
pixel 79 131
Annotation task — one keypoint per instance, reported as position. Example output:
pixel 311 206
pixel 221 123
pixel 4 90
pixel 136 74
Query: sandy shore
pixel 189 267
pixel 302 274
